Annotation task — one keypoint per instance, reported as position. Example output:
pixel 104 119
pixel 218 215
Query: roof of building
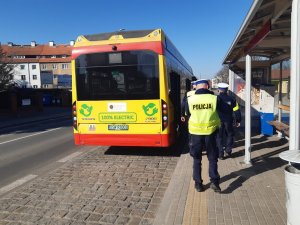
pixel 38 50
pixel 57 50
pixel 20 50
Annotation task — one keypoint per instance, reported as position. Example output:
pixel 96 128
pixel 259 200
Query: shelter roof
pixel 265 32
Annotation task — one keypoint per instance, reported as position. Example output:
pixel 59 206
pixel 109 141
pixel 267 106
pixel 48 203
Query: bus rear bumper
pixel 149 140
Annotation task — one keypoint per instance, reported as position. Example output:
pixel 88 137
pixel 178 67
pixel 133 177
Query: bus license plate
pixel 118 127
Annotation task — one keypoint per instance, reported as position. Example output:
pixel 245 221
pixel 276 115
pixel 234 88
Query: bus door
pixel 175 97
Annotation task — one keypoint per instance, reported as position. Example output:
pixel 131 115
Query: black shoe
pixel 199 187
pixel 228 154
pixel 215 187
pixel 221 157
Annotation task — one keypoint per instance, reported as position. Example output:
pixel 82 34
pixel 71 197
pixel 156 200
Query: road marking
pixel 69 157
pixel 17 183
pixel 5 142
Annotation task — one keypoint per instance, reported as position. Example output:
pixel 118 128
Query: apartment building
pixel 40 66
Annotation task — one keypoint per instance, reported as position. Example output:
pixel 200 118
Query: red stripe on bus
pixel 155 46
pixel 151 140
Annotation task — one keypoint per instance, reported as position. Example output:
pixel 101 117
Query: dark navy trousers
pixel 197 144
pixel 225 137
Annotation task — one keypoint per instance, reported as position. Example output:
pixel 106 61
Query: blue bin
pixel 265 128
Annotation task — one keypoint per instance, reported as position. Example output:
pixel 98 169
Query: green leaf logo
pixel 150 109
pixel 86 110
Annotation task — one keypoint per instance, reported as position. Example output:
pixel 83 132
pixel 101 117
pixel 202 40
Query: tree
pixel 6 70
pixel 223 74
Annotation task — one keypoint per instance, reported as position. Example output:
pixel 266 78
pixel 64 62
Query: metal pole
pixel 295 78
pixel 247 159
pixel 280 94
pixel 231 80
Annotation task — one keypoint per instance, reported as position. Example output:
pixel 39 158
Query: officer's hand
pixel 182 119
pixel 238 124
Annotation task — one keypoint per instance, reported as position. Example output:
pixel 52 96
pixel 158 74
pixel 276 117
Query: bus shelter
pixel 269 38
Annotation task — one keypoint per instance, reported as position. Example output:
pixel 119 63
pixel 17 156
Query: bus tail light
pixel 164 113
pixel 74 114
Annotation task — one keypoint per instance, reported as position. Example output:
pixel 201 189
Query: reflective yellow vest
pixel 190 93
pixel 204 119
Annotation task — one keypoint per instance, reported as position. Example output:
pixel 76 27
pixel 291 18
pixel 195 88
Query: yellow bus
pixel 127 88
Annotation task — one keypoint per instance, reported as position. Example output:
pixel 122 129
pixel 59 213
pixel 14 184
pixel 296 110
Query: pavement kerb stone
pixel 171 209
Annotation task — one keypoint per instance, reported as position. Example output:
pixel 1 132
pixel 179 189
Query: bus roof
pixel 123 33
pixel 132 36
pixel 119 37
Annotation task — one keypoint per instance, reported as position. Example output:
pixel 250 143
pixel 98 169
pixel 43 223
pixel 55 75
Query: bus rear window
pixel 128 75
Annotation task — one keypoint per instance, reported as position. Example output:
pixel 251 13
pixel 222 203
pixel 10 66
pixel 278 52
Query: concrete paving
pixel 251 195
pixel 131 186
pixel 102 186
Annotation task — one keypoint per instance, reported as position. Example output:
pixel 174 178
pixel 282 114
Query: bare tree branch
pixel 6 70
pixel 223 74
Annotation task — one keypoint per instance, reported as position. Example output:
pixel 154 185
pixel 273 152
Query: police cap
pixel 202 81
pixel 223 86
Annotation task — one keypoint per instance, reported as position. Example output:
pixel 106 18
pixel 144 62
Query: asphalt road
pixel 34 149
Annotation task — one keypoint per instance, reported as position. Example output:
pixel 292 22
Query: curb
pixel 172 207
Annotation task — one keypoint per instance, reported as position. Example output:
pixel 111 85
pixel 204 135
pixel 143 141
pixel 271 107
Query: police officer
pixel 184 100
pixel 204 121
pixel 226 131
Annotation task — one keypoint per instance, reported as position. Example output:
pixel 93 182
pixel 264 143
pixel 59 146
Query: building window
pixel 33 67
pixel 19 57
pixel 35 86
pixel 23 77
pixel 34 77
pixel 44 66
pixel 54 66
pixel 22 67
pixel 64 66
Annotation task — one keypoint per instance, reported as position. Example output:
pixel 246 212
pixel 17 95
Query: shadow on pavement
pixel 141 151
pixel 180 147
pixel 241 142
pixel 261 164
pixel 262 142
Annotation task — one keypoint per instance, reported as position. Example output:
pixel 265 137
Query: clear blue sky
pixel 202 30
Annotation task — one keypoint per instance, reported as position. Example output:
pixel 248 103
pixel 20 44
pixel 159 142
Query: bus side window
pixel 188 84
